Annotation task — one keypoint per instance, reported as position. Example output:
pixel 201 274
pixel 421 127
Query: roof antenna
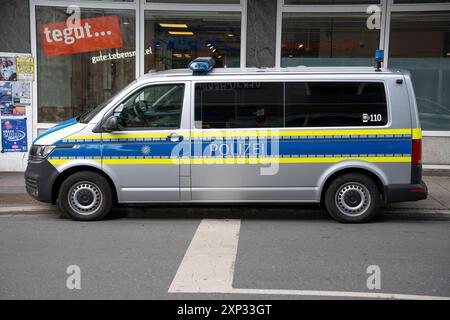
pixel 379 55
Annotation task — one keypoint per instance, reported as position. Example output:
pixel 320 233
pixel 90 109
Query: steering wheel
pixel 137 108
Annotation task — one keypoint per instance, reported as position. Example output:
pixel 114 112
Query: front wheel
pixel 85 196
pixel 352 198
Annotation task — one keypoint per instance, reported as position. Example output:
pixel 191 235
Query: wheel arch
pixel 71 170
pixel 377 176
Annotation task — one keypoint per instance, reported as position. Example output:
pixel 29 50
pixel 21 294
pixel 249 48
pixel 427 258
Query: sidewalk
pixel 14 198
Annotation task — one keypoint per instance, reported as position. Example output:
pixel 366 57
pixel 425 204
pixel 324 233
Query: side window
pixel 329 104
pixel 154 107
pixel 238 105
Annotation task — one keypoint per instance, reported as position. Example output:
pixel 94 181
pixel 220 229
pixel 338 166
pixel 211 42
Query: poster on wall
pixel 6 100
pixel 8 71
pixel 14 98
pixel 21 92
pixel 14 135
pixel 25 68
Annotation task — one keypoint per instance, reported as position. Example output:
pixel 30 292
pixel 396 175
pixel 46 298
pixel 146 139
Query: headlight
pixel 40 152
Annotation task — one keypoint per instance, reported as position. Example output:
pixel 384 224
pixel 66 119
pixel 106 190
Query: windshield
pixel 89 115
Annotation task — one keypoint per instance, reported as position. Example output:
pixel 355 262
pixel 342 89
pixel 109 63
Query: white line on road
pixel 338 294
pixel 208 267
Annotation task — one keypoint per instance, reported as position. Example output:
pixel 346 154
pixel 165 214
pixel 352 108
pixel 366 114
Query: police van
pixel 347 138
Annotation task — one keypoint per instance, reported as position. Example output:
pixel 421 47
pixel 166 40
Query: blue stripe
pixel 310 147
pixel 59 126
pixel 86 150
pixel 296 147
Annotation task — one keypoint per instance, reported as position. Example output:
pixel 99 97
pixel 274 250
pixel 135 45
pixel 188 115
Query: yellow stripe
pixel 417 133
pixel 275 133
pixel 140 161
pixel 63 161
pixel 120 136
pixel 253 133
pixel 291 160
pixel 238 160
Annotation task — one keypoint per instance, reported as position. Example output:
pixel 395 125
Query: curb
pixel 27 209
pixel 13 210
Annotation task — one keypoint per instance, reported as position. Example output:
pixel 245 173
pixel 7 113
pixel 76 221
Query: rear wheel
pixel 352 198
pixel 85 196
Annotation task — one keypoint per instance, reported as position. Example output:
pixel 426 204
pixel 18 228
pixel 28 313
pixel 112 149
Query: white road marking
pixel 208 267
pixel 338 294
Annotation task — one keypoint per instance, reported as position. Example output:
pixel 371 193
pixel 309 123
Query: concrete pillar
pixel 15 26
pixel 261 32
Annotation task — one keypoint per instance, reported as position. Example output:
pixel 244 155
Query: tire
pixel 85 196
pixel 352 198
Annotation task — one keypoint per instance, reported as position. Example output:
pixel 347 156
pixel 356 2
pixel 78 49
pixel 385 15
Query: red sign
pixel 88 35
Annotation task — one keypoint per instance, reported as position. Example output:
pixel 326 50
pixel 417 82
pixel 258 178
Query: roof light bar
pixel 202 65
pixel 379 57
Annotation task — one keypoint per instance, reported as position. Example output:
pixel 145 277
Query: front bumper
pixel 406 192
pixel 39 179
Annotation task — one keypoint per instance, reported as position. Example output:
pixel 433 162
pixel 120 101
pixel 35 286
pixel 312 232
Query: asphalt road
pixel 230 253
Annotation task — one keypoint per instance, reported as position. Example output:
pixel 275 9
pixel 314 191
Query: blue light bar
pixel 379 55
pixel 202 65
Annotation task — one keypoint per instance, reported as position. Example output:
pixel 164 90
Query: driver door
pixel 143 156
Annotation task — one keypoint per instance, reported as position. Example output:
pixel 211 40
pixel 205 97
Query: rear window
pixel 333 104
pixel 291 104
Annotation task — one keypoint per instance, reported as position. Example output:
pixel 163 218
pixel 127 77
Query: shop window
pixel 420 1
pixel 197 1
pixel 96 0
pixel 321 39
pixel 173 39
pixel 420 43
pixel 306 2
pixel 78 68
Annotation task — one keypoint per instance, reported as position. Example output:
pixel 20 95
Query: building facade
pixel 73 75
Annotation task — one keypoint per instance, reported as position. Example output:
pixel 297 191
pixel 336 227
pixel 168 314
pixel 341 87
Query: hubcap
pixel 85 198
pixel 353 199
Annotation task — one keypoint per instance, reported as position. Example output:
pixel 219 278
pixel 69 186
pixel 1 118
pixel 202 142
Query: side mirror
pixel 111 124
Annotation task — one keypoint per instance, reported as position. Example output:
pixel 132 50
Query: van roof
pixel 272 71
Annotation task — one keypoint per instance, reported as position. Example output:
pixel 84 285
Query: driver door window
pixel 155 107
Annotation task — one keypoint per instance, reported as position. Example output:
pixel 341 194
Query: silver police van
pixel 347 138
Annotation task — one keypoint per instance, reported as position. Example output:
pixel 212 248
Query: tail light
pixel 416 157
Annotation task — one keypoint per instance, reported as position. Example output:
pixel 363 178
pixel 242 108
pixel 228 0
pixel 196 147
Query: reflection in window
pixel 154 107
pixel 173 39
pixel 238 105
pixel 316 39
pixel 331 2
pixel 419 1
pixel 335 104
pixel 71 83
pixel 197 1
pixel 420 43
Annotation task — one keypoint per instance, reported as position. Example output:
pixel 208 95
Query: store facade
pixel 140 35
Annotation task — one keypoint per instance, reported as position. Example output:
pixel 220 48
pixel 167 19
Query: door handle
pixel 175 137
